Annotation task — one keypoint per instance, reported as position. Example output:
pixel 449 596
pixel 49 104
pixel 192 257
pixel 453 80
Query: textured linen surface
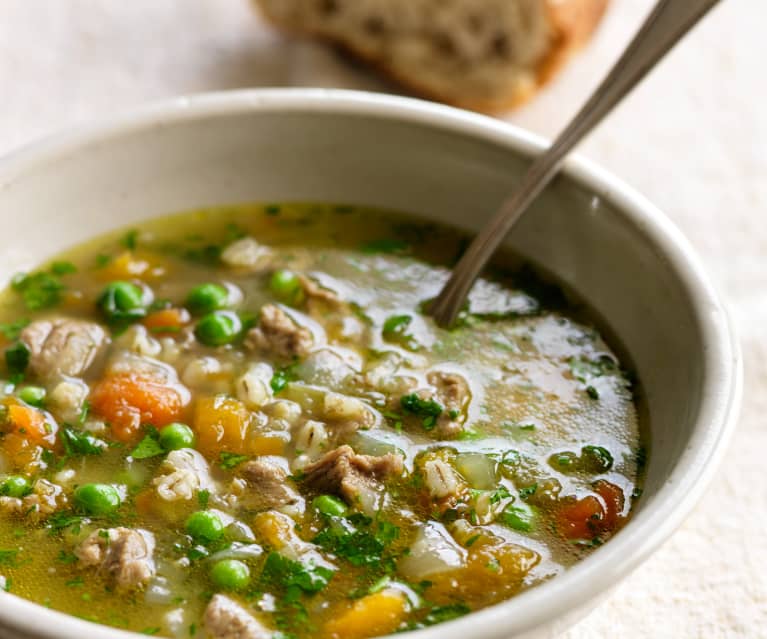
pixel 693 138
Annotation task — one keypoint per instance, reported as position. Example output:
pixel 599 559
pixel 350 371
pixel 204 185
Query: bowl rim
pixel 722 380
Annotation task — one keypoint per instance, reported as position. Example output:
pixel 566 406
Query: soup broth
pixel 239 422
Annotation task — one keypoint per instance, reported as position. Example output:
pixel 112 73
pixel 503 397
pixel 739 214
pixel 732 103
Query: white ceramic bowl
pixel 593 232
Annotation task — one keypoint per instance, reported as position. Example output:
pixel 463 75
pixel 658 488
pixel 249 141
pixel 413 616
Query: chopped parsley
pixel 359 540
pixel 63 268
pixel 385 245
pixel 282 377
pixel 427 409
pixel 228 461
pixel 12 330
pixel 38 290
pixel 203 496
pixel 440 614
pixel 63 520
pixel 78 443
pixel 149 446
pixel 8 557
pixel 130 240
pixel 293 575
pixel 17 359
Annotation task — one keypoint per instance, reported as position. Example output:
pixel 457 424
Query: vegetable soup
pixel 238 423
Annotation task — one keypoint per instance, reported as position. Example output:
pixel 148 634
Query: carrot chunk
pixel 26 431
pixel 127 401
pixel 167 321
pixel 594 514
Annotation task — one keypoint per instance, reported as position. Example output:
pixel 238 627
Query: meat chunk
pixel 453 392
pixel 315 293
pixel 279 335
pixel 226 619
pixel 268 486
pixel 184 473
pixel 45 499
pixel 354 477
pixel 62 346
pixel 123 555
pixel 246 253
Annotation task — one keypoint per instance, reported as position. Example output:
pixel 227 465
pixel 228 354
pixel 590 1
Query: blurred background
pixel 692 138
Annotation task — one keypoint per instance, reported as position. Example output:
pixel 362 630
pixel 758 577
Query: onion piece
pixel 433 551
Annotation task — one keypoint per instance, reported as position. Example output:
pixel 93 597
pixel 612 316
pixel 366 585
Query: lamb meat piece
pixel 279 335
pixel 226 619
pixel 314 292
pixel 352 476
pixel 123 554
pixel 268 484
pixel 453 392
pixel 62 346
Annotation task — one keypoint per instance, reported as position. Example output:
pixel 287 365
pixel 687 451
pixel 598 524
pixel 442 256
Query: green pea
pixel 204 526
pixel 596 459
pixel 286 286
pixel 230 574
pixel 97 499
pixel 32 395
pixel 123 301
pixel 520 517
pixel 175 436
pixel 329 505
pixel 207 297
pixel 218 328
pixel 15 486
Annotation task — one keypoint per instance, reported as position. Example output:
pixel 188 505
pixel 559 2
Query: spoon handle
pixel 668 22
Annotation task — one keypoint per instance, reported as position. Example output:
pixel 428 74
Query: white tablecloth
pixel 693 138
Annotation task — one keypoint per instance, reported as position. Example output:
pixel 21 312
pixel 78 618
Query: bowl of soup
pixel 225 413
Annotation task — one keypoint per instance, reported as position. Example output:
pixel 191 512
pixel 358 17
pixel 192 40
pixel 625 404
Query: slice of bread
pixel 487 55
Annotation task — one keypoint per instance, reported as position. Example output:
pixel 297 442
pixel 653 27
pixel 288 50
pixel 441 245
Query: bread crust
pixel 572 22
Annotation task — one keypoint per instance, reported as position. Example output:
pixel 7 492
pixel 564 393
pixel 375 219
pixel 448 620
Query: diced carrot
pixel 32 424
pixel 613 499
pixel 378 614
pixel 131 265
pixel 221 424
pixel 167 321
pixel 144 502
pixel 127 401
pixel 594 514
pixel 581 519
pixel 26 432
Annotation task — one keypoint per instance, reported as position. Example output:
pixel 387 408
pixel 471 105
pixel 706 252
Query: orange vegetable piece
pixel 274 529
pixel 127 401
pixel 129 265
pixel 374 615
pixel 263 445
pixel 221 424
pixel 581 519
pixel 614 501
pixel 26 432
pixel 494 567
pixel 167 321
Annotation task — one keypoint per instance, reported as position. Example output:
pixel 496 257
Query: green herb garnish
pixel 228 461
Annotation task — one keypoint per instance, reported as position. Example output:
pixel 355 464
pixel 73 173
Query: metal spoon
pixel 669 21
